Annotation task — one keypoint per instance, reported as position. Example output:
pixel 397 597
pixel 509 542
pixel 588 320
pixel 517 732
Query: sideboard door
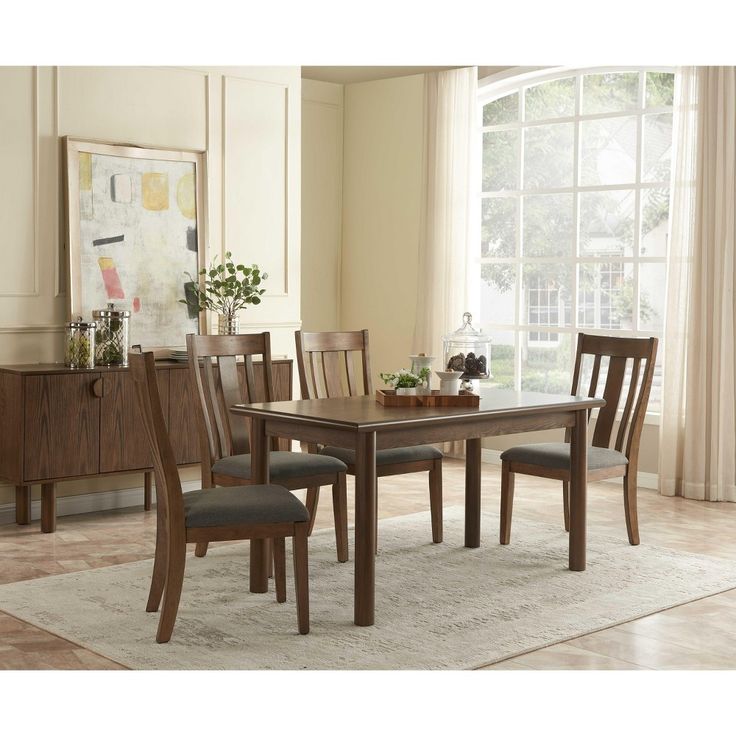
pixel 62 425
pixel 123 441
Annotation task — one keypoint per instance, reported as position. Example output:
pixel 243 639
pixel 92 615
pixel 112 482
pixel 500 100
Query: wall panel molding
pixel 36 184
pixel 30 329
pixel 60 265
pixel 230 85
pixel 33 289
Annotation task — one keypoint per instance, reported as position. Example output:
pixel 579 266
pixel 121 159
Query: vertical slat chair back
pixel 214 364
pixel 622 355
pixel 326 362
pixel 169 502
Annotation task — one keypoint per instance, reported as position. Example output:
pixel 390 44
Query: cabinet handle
pixel 98 388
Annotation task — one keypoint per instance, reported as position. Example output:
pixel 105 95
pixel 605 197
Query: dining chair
pixel 221 381
pixel 552 459
pixel 211 515
pixel 327 369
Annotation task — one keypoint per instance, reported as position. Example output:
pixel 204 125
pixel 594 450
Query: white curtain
pixel 697 457
pixel 449 233
pixel 449 244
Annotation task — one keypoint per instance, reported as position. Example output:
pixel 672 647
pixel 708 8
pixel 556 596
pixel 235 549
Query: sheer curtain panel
pixel 697 456
pixel 449 237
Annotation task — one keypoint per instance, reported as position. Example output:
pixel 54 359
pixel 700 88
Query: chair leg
pixel 160 562
pixel 566 503
pixel 279 564
pixel 507 502
pixel 311 504
pixel 172 592
pixel 435 500
pixel 200 549
pixel 632 518
pixel 301 575
pixel 340 511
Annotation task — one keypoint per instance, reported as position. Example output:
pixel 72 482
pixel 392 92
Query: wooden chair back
pixel 214 369
pixel 618 351
pixel 169 502
pixel 327 364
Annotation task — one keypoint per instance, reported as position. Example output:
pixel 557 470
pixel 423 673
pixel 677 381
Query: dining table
pixel 362 424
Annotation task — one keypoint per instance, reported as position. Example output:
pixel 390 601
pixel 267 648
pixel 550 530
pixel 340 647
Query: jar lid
pixel 81 324
pixel 110 312
pixel 468 332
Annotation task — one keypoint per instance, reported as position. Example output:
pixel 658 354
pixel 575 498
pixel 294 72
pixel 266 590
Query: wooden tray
pixel 388 397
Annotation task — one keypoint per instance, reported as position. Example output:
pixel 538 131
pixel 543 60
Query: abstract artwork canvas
pixel 135 226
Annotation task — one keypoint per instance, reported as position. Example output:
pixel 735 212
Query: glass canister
pixel 112 336
pixel 79 351
pixel 468 350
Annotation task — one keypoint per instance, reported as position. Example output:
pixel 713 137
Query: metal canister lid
pixel 81 324
pixel 110 312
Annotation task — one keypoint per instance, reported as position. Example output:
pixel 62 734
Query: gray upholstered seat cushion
pixel 557 455
pixel 283 465
pixel 388 457
pixel 266 504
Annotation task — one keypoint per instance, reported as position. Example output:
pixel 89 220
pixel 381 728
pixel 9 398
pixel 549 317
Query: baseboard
pixel 87 502
pixel 644 480
pixel 130 497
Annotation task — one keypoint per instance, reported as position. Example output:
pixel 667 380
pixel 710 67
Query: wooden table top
pixel 364 413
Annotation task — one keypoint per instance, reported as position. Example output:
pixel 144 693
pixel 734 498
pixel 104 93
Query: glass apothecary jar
pixel 79 351
pixel 468 350
pixel 112 336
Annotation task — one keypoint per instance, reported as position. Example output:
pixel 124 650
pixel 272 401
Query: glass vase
pixel 227 325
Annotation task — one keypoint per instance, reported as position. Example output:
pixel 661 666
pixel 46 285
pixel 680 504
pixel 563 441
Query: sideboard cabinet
pixel 63 424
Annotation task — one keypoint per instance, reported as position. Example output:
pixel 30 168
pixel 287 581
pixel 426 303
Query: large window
pixel 575 213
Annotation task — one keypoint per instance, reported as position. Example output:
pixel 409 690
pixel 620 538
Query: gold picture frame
pixel 135 223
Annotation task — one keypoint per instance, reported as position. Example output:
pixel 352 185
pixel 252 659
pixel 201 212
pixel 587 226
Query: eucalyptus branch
pixel 227 287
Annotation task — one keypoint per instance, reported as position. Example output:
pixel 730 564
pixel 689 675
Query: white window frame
pixel 517 81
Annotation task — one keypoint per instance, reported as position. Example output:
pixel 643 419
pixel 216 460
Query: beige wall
pixel 246 118
pixel 384 147
pixel 322 163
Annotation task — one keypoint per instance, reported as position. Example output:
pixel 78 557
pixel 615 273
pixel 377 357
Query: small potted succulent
pixel 407 383
pixel 226 289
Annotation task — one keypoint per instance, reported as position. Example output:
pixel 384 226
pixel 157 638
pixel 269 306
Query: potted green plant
pixel 407 383
pixel 226 289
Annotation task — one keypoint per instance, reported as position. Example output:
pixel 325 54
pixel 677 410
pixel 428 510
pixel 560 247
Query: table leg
pixel 259 549
pixel 472 492
pixel 48 507
pixel 147 487
pixel 578 489
pixel 22 504
pixel 365 529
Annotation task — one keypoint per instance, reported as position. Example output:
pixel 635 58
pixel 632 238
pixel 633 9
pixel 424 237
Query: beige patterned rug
pixel 438 606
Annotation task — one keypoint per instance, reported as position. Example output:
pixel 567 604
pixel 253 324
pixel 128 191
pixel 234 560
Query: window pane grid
pixel 575 118
pixel 552 304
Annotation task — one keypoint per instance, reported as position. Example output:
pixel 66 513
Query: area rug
pixel 437 606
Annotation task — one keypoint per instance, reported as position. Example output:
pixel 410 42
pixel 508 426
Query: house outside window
pixel 576 169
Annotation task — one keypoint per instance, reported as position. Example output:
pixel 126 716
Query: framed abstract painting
pixel 136 225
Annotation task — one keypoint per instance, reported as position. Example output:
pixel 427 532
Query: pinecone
pixel 456 363
pixel 471 365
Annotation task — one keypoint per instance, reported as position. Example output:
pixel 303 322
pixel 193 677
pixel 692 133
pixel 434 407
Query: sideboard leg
pixel 147 477
pixel 22 504
pixel 48 507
